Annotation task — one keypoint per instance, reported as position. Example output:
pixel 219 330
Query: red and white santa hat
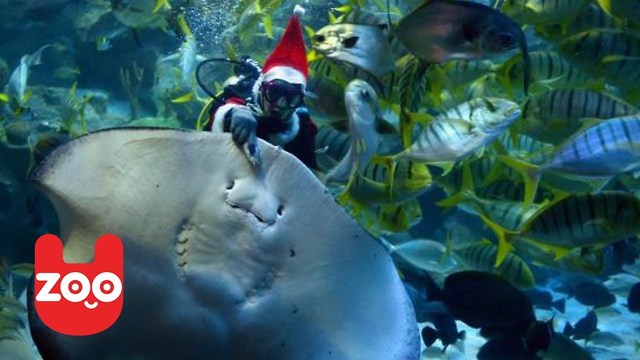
pixel 288 61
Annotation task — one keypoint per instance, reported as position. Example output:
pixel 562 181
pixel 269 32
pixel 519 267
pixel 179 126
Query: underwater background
pixel 507 144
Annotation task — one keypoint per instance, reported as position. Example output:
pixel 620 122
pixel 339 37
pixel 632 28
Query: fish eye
pixel 319 38
pixel 350 42
pixel 365 94
pixel 506 39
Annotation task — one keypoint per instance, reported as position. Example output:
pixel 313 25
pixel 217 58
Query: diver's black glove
pixel 243 125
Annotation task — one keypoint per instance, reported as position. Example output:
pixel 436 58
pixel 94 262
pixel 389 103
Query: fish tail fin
pixel 439 81
pixel 392 166
pixel 605 5
pixel 389 246
pixel 346 200
pixel 160 4
pixel 26 96
pixel 398 217
pixel 390 162
pixel 352 179
pixel 406 128
pixel 530 176
pixel 559 305
pixel 453 200
pixel 505 239
pixel 267 22
pixel 568 330
pixel 429 335
pixel 185 30
pixel 188 97
pixel 203 117
pixel 503 73
pixel 466 192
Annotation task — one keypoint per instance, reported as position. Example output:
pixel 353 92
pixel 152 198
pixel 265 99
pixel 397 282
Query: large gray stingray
pixel 222 261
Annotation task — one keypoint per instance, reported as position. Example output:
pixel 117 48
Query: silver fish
pixel 428 255
pixel 188 59
pixel 16 88
pixel 362 105
pixel 141 13
pixel 439 31
pixel 366 46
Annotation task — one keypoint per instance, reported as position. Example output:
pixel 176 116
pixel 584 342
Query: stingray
pixel 222 260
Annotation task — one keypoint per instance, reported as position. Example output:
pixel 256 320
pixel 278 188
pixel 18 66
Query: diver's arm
pixel 224 112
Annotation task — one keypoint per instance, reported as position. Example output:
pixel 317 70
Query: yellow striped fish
pixel 510 215
pixel 549 71
pixel 525 147
pixel 481 256
pixel 592 18
pixel 462 130
pixel 622 9
pixel 483 172
pixel 610 53
pixel 587 261
pixel 588 160
pixel 507 214
pixel 463 72
pixel 506 190
pixel 555 115
pixel 373 185
pixel 540 12
pixel 398 217
pixel 575 222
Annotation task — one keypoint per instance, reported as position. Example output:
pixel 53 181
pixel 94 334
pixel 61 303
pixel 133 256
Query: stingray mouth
pixel 261 219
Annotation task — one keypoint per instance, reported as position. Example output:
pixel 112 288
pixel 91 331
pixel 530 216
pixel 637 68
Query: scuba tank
pixel 246 72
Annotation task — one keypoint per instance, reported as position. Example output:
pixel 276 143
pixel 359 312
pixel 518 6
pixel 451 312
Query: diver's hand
pixel 243 125
pixel 253 151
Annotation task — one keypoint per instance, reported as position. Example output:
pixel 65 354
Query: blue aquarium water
pixel 360 179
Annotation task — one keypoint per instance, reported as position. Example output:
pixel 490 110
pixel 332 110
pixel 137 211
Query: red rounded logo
pixel 79 299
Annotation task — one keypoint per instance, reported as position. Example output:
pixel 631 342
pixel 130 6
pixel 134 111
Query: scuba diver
pixel 268 102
